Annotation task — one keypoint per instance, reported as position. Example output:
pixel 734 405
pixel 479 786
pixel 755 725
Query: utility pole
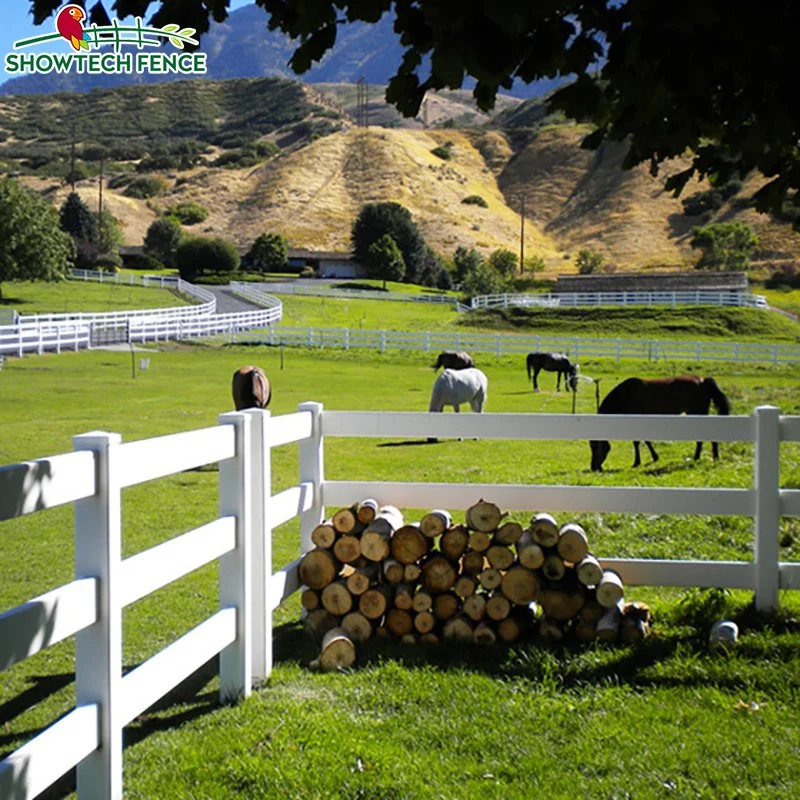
pixel 522 237
pixel 100 190
pixel 72 155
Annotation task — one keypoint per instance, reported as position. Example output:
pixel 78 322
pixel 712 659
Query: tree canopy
pixel 385 261
pixel 270 252
pixel 666 76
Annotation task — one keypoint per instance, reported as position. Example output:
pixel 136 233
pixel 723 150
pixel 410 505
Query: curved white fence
pixel 327 290
pixel 90 607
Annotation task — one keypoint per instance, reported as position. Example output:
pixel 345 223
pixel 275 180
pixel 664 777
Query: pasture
pixel 662 719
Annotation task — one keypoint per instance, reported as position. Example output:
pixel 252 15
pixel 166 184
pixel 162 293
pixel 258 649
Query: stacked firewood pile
pixel 489 580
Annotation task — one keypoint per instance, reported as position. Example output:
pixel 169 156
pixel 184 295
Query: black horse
pixel 449 359
pixel 552 362
pixel 688 395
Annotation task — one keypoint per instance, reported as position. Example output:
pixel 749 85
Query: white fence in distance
pixel 90 607
pixel 327 290
pixel 577 347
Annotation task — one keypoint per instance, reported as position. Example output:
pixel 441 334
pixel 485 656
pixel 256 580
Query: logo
pixel 114 49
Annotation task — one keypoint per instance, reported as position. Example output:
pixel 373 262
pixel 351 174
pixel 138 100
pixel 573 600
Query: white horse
pixel 456 386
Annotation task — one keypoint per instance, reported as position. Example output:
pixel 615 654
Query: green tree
pixel 76 219
pixel 725 245
pixel 385 261
pixel 589 261
pixel 188 213
pixel 535 264
pixel 465 260
pixel 504 261
pixel 32 244
pixel 378 219
pixel 718 85
pixel 483 279
pixel 200 254
pixel 107 236
pixel 270 252
pixel 162 240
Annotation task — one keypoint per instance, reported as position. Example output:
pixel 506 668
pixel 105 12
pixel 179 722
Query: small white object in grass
pixel 723 635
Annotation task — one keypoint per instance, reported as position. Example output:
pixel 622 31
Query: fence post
pixel 261 548
pixel 235 584
pixel 312 469
pixel 98 648
pixel 767 511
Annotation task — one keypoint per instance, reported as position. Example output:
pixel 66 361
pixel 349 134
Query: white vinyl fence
pixel 90 607
pixel 577 347
pixel 328 290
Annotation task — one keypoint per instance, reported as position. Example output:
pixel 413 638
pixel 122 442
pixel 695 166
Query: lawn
pixel 662 719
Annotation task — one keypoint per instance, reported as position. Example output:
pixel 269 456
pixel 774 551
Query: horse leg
pixel 652 451
pixel 637 460
pixel 699 447
pixel 558 380
pixel 535 379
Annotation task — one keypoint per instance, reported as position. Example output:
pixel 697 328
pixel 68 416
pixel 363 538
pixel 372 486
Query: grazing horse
pixel 456 386
pixel 449 359
pixel 552 362
pixel 250 388
pixel 688 395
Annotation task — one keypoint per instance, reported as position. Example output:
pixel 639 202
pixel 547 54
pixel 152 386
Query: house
pixel 326 263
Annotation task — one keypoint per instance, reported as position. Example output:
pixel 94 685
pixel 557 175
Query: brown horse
pixel 552 362
pixel 250 388
pixel 449 359
pixel 687 395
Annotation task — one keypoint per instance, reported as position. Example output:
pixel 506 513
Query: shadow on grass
pixel 407 443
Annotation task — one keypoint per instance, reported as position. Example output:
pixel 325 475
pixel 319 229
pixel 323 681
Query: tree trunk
pixel 454 542
pixel 572 545
pixel 483 516
pixel 337 599
pixel 500 556
pixel 529 553
pixel 435 523
pixel 347 548
pixel 338 651
pixel 358 627
pixel 610 590
pixel 520 585
pixel 544 530
pixel 508 533
pixel 408 544
pixel 318 568
pixel 323 535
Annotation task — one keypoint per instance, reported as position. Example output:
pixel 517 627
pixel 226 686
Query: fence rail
pixel 345 294
pixel 576 347
pixel 92 477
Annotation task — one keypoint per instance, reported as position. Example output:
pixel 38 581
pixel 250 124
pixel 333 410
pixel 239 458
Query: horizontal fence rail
pixel 577 347
pixel 343 294
pixel 240 539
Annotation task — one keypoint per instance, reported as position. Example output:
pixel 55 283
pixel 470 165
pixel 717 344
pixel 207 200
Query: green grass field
pixel 662 719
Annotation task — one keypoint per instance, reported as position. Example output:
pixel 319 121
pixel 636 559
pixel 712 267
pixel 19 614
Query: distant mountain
pixel 243 47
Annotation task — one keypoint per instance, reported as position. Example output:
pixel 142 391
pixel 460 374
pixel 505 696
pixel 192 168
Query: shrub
pixel 143 188
pixel 188 213
pixel 589 261
pixel 201 254
pixel 725 245
pixel 143 262
pixel 475 200
pixel 442 152
pixel 162 240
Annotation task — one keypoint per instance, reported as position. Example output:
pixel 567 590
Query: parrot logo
pixel 68 24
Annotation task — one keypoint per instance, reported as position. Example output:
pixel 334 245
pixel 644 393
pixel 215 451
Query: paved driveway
pixel 228 303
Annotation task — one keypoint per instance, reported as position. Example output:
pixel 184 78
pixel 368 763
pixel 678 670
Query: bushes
pixel 200 254
pixel 443 152
pixel 143 188
pixel 143 262
pixel 188 213
pixel 711 199
pixel 475 200
pixel 247 156
pixel 589 261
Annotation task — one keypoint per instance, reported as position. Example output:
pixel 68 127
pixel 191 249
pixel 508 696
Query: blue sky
pixel 18 23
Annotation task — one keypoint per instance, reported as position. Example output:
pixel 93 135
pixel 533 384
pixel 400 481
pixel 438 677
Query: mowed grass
pixel 59 297
pixel 665 718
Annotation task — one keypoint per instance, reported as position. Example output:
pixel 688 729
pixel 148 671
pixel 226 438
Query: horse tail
pixel 721 402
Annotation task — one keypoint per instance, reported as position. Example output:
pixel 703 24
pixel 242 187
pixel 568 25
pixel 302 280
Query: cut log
pixel 589 571
pixel 411 572
pixel 408 638
pixel 520 585
pixel 423 601
pixel 445 605
pixel 362 578
pixel 483 516
pixel 497 606
pixel 490 578
pixel 573 545
pixel 424 622
pixel 591 611
pixel 375 543
pixel 375 601
pixel 454 542
pixel 509 630
pixel 472 562
pixel 553 567
pixel 319 621
pixel 544 530
pixel 318 568
pixel 408 544
pixel 585 631
pixel 560 605
pixel 345 520
pixel 550 630
pixel 323 535
pixel 458 629
pixel 404 596
pixel 435 523
pixel 337 599
pixel 608 627
pixel 465 586
pixel 438 574
pixel 393 570
pixel 474 606
pixel 508 533
pixel 480 541
pixel 399 622
pixel 309 599
pixel 357 626
pixel 500 556
pixel 484 635
pixel 609 591
pixel 429 638
pixel 529 553
pixel 347 548
pixel 338 651
pixel 367 510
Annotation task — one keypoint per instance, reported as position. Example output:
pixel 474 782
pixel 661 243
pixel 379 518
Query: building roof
pixel 693 280
pixel 319 255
